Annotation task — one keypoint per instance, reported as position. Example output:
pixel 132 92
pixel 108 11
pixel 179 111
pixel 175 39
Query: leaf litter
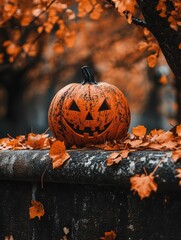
pixel 137 140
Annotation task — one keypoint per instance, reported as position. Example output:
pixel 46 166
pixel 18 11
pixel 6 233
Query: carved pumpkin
pixel 89 113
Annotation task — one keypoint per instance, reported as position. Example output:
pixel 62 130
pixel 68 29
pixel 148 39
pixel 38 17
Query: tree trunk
pixel 178 100
pixel 168 40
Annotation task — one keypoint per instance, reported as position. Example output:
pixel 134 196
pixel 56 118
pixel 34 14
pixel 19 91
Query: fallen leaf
pixel 116 157
pixel 37 210
pixel 124 153
pixel 155 132
pixel 58 153
pixel 4 143
pixel 179 175
pixel 164 137
pixel 176 155
pixel 38 141
pixel 143 184
pixel 134 143
pixel 139 131
pixel 178 130
pixel 155 146
pixel 169 145
pixel 109 236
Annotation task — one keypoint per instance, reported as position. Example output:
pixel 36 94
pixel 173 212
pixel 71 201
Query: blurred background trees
pixel 44 43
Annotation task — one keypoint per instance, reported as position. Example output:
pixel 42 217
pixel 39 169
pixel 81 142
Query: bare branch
pixel 37 17
pixel 22 41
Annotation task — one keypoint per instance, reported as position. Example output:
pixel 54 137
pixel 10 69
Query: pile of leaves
pixel 22 142
pixel 139 140
pixel 144 184
pixel 34 141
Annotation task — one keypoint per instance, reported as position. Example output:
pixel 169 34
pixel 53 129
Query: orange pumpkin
pixel 89 113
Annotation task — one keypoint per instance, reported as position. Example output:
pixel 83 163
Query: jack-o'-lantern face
pixel 89 113
pixel 88 123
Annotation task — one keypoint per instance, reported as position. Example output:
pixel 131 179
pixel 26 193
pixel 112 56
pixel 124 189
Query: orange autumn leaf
pixel 143 184
pixel 152 60
pixel 4 143
pixel 162 8
pixel 116 157
pixel 13 143
pixel 58 48
pixel 70 39
pixel 155 132
pixel 38 141
pixel 109 236
pixel 176 155
pixel 96 13
pixel 134 143
pixel 179 175
pixel 58 153
pixel 164 137
pixel 178 130
pixel 37 210
pixel 139 131
pixel 163 80
pixel 26 18
pixel 142 46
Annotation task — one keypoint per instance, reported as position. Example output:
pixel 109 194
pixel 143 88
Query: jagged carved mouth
pixel 88 130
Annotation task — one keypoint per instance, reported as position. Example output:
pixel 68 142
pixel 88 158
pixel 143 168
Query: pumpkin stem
pixel 88 77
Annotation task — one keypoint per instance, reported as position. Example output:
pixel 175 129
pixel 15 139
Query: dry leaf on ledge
pixel 139 131
pixel 116 157
pixel 58 153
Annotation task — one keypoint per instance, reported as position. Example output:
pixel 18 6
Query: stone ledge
pixel 88 167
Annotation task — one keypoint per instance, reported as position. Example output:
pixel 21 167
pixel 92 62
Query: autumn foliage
pixel 139 140
pixel 60 18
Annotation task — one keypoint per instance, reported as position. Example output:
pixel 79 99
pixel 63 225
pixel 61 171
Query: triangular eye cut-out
pixel 104 106
pixel 74 107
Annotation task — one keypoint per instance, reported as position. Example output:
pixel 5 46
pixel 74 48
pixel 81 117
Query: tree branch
pixel 37 17
pixel 136 21
pixel 26 32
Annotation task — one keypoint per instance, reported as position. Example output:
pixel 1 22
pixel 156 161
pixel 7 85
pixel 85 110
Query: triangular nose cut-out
pixel 74 106
pixel 89 116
